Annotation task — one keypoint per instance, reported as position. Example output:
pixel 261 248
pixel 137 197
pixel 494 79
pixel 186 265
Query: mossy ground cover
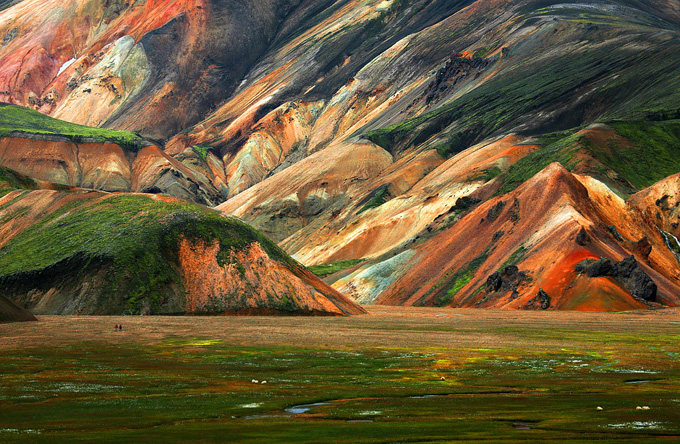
pixel 649 152
pixel 653 154
pixel 546 387
pixel 16 118
pixel 10 180
pixel 322 270
pixel 514 97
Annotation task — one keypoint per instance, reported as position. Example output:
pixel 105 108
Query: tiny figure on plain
pixel 115 327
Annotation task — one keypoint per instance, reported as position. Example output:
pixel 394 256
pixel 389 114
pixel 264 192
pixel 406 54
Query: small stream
pixel 296 410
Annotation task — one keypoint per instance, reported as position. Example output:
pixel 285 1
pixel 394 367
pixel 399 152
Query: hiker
pixel 120 327
pixel 115 327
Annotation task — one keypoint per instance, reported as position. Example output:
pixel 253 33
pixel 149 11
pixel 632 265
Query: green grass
pixel 655 153
pixel 196 389
pixel 515 257
pixel 487 175
pixel 323 270
pixel 16 118
pixel 561 151
pixel 455 280
pixel 138 235
pixel 10 179
pixel 202 151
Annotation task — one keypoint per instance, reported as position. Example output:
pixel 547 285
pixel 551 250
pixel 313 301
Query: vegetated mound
pixel 11 312
pixel 96 253
pixel 64 153
pixel 558 241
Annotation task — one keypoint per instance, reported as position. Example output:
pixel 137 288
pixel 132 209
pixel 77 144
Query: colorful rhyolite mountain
pixel 488 153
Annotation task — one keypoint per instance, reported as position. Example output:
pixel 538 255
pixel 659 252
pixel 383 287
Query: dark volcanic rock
pixel 514 211
pixel 542 301
pixel 495 211
pixel 643 247
pixel 464 203
pixel 628 272
pixel 603 267
pixel 582 237
pixel 507 279
pixel 640 285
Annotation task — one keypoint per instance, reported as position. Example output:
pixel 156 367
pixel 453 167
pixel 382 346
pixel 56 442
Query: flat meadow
pixel 396 375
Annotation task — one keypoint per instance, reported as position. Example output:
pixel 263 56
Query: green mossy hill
pixel 137 235
pixel 650 152
pixel 653 155
pixel 15 118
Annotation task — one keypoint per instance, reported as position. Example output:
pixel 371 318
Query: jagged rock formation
pixel 627 272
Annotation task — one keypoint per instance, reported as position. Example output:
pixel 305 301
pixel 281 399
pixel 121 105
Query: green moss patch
pixel 653 153
pixel 15 118
pixel 561 151
pixel 323 270
pixel 376 198
pixel 10 179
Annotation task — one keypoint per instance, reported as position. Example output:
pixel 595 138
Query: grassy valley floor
pixel 397 375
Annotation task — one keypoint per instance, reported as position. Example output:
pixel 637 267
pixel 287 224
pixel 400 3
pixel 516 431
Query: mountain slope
pixel 11 312
pixel 95 253
pixel 367 132
pixel 68 154
pixel 546 228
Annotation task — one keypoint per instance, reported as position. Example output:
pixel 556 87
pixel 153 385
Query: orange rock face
pixel 538 224
pixel 252 281
pixel 105 166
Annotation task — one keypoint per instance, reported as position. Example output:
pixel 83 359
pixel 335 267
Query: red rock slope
pixel 545 228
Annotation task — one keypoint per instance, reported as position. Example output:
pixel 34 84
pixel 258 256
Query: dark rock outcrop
pixel 508 279
pixel 541 301
pixel 582 237
pixel 640 285
pixel 627 272
pixel 643 247
pixel 495 211
pixel 465 203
